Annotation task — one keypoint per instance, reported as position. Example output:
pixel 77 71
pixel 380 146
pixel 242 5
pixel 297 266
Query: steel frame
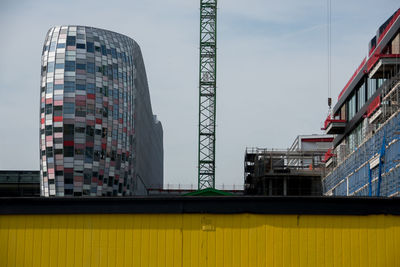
pixel 207 93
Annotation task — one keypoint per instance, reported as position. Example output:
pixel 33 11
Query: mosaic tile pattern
pixel 87 121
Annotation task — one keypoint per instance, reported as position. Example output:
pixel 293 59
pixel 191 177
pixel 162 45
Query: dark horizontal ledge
pixel 211 205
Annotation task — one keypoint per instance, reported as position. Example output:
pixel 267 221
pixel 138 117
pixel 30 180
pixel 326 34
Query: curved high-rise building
pixel 98 134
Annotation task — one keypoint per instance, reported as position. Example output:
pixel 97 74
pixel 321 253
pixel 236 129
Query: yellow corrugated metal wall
pixel 199 240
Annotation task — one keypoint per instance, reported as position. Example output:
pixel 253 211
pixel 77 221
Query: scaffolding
pixel 353 174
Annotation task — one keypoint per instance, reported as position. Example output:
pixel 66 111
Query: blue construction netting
pixel 355 167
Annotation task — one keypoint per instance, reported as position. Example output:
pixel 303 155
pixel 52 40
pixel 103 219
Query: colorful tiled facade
pixel 96 116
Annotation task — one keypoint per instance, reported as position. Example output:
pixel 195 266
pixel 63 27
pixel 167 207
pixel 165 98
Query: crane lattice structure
pixel 207 93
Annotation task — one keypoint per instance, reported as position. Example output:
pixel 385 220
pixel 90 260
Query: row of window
pixel 90 48
pixel 111 70
pixel 361 95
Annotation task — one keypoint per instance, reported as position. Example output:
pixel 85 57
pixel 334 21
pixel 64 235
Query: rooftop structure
pixel 287 172
pixel 98 134
pixel 19 183
pixel 364 159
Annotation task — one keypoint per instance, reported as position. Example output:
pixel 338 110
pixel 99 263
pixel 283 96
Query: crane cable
pixel 329 52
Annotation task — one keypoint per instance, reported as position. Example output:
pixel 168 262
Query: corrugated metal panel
pixel 199 240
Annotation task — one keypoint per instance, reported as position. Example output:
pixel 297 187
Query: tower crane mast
pixel 207 94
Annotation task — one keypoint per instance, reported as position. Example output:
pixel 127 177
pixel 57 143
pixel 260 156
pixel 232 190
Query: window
pixel 49 152
pixel 57 110
pixel 351 107
pixel 97 48
pixel 80 87
pixel 89 154
pixel 69 65
pixel 58 129
pixel 372 86
pixel 115 112
pixel 69 108
pixel 79 151
pixel 68 152
pixel 80 111
pixel 355 138
pixel 68 178
pixel 68 132
pixel 113 53
pixel 380 82
pixel 103 50
pixel 70 40
pixel 90 88
pixel 90 109
pixel 49 89
pixel 45 48
pixel 52 47
pixel 60 45
pixel 68 192
pixel 80 46
pixel 49 109
pixel 81 66
pixel 90 67
pixel 50 67
pixel 59 66
pixel 69 86
pixel 110 72
pixel 358 135
pixel 49 130
pixel 104 132
pixel 115 71
pixel 89 130
pixel 87 177
pixel 58 86
pixel 80 129
pixel 361 97
pixel 90 47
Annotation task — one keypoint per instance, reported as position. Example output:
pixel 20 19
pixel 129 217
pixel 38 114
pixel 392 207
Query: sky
pixel 271 70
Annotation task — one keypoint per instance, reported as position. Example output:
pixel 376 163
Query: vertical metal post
pixel 285 186
pixel 207 93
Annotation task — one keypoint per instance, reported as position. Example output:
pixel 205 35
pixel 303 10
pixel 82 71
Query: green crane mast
pixel 207 93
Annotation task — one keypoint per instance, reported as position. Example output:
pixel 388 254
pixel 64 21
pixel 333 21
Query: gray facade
pixel 148 131
pixel 98 134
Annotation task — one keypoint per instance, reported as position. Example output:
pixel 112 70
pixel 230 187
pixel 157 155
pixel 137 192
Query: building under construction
pixel 365 156
pixel 296 171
